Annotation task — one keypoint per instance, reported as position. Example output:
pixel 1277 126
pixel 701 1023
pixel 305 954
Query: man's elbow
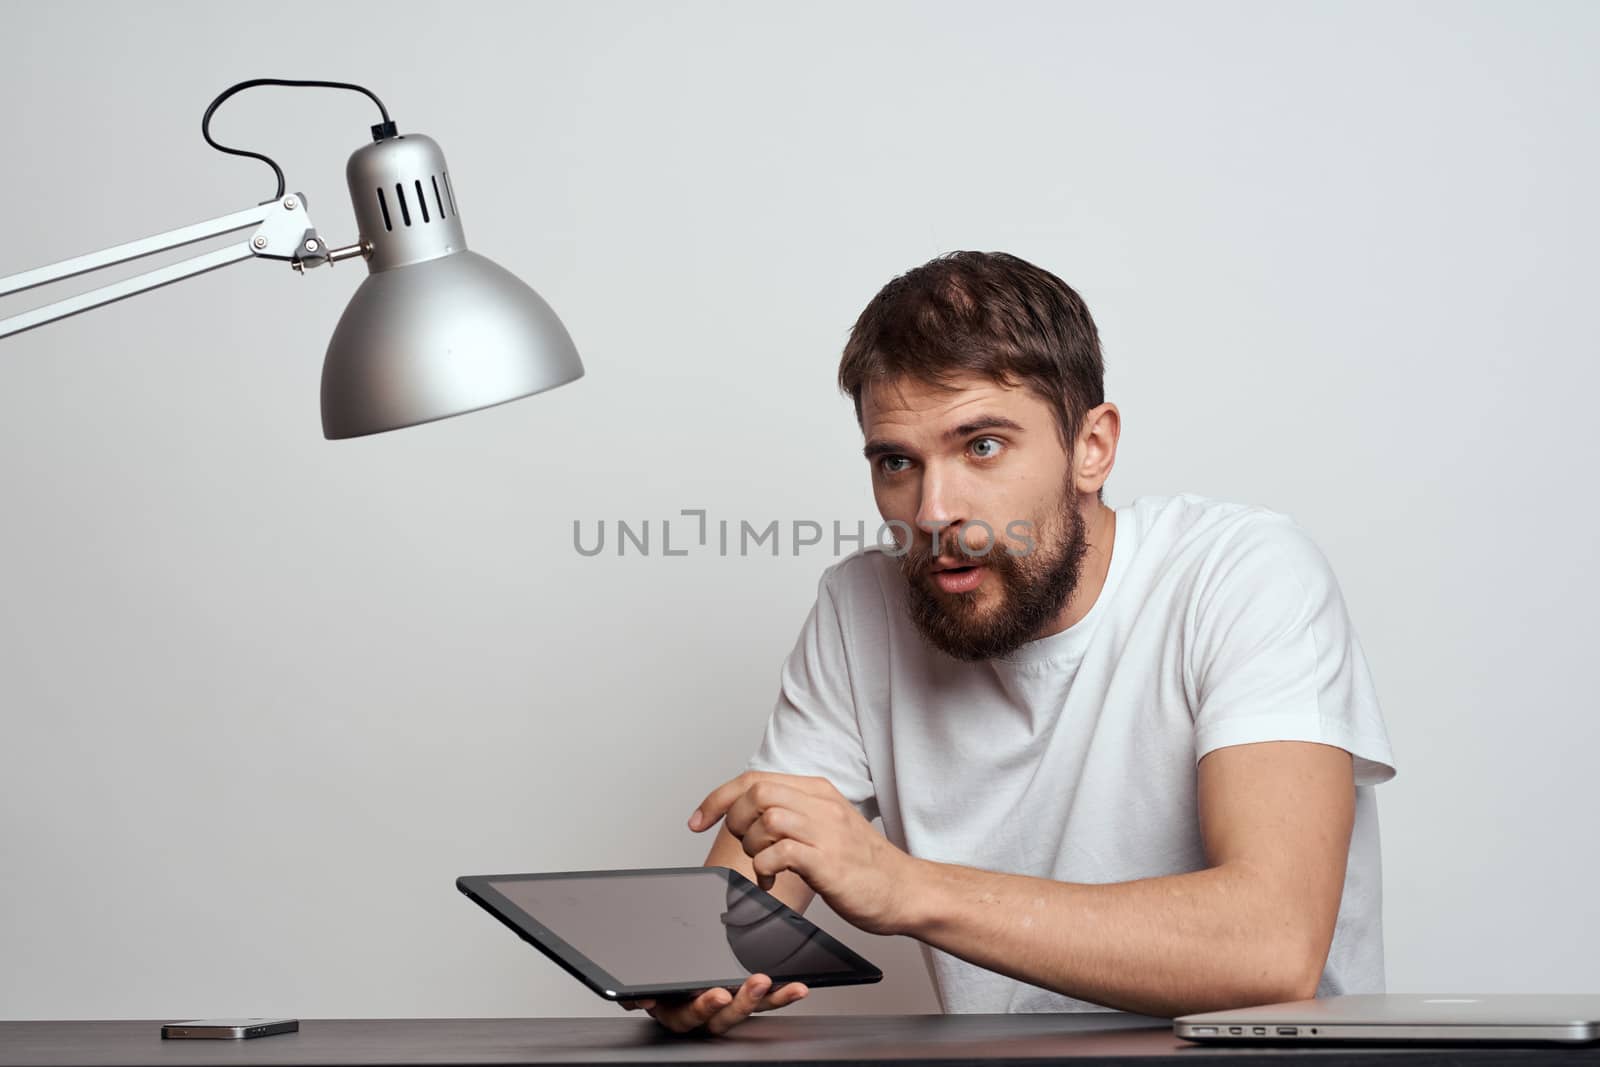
pixel 1267 973
pixel 1296 986
pixel 1292 970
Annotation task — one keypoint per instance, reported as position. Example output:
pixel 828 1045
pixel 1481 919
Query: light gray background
pixel 265 696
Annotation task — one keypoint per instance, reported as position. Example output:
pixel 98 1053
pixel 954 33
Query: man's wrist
pixel 918 909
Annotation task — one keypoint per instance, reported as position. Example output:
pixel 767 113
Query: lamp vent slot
pixel 383 206
pixel 437 199
pixel 450 195
pixel 400 194
pixel 422 201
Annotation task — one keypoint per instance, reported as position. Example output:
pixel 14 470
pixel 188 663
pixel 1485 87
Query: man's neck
pixel 1101 533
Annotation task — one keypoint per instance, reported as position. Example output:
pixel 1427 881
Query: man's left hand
pixel 790 823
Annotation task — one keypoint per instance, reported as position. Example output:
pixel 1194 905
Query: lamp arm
pixel 283 231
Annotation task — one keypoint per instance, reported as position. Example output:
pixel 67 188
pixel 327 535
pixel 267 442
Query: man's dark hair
pixel 986 313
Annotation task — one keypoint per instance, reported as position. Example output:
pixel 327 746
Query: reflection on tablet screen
pixel 652 929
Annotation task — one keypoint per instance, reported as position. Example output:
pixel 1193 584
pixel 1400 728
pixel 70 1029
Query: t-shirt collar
pixel 1069 644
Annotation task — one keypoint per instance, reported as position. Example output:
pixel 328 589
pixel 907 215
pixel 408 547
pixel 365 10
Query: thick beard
pixel 1034 588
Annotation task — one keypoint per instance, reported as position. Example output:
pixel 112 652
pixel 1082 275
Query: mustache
pixel 919 558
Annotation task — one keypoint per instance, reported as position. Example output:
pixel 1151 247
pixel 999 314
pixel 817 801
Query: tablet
pixel 669 931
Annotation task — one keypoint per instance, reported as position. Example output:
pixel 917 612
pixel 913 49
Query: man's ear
pixel 1096 453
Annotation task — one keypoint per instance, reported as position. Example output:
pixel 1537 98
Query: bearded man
pixel 1124 758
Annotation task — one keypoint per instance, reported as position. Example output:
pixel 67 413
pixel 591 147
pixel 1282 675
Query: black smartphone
pixel 230 1028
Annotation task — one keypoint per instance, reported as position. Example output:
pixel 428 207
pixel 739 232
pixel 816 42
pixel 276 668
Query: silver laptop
pixel 1400 1018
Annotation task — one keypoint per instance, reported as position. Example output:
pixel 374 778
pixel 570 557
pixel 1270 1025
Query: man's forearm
pixel 1205 940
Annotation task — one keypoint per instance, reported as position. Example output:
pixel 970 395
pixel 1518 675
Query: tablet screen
pixel 655 928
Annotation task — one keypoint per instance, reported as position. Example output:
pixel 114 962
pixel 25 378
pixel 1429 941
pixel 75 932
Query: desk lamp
pixel 435 329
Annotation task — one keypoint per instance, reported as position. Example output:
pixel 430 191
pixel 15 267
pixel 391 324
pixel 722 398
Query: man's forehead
pixel 906 401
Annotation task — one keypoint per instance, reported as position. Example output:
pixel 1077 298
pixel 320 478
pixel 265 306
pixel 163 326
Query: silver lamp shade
pixel 435 330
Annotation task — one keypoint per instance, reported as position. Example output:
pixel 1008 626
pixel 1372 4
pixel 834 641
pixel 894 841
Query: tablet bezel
pixel 479 889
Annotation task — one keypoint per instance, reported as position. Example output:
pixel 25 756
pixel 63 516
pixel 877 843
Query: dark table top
pixel 766 1039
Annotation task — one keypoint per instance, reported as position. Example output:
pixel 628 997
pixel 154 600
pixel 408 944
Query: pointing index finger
pixel 720 799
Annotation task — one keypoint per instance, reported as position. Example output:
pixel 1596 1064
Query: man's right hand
pixel 716 1009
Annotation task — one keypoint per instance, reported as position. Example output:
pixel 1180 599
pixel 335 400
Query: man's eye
pixel 990 452
pixel 887 464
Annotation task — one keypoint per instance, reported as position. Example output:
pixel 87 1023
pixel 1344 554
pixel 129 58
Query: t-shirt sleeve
pixel 813 729
pixel 1274 655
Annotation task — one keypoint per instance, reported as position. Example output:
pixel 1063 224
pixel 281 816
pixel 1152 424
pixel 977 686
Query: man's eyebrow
pixel 875 449
pixel 982 422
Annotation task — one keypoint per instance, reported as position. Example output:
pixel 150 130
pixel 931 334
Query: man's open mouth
pixel 961 579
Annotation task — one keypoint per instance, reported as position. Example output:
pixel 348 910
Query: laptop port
pixel 1258 1030
pixel 1235 1029
pixel 1205 1030
pixel 1288 1031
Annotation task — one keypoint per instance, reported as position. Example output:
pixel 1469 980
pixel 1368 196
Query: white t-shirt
pixel 1074 758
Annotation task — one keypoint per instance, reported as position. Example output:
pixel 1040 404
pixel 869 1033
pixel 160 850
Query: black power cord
pixel 381 131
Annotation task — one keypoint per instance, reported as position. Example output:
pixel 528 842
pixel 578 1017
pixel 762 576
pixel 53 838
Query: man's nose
pixel 937 511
